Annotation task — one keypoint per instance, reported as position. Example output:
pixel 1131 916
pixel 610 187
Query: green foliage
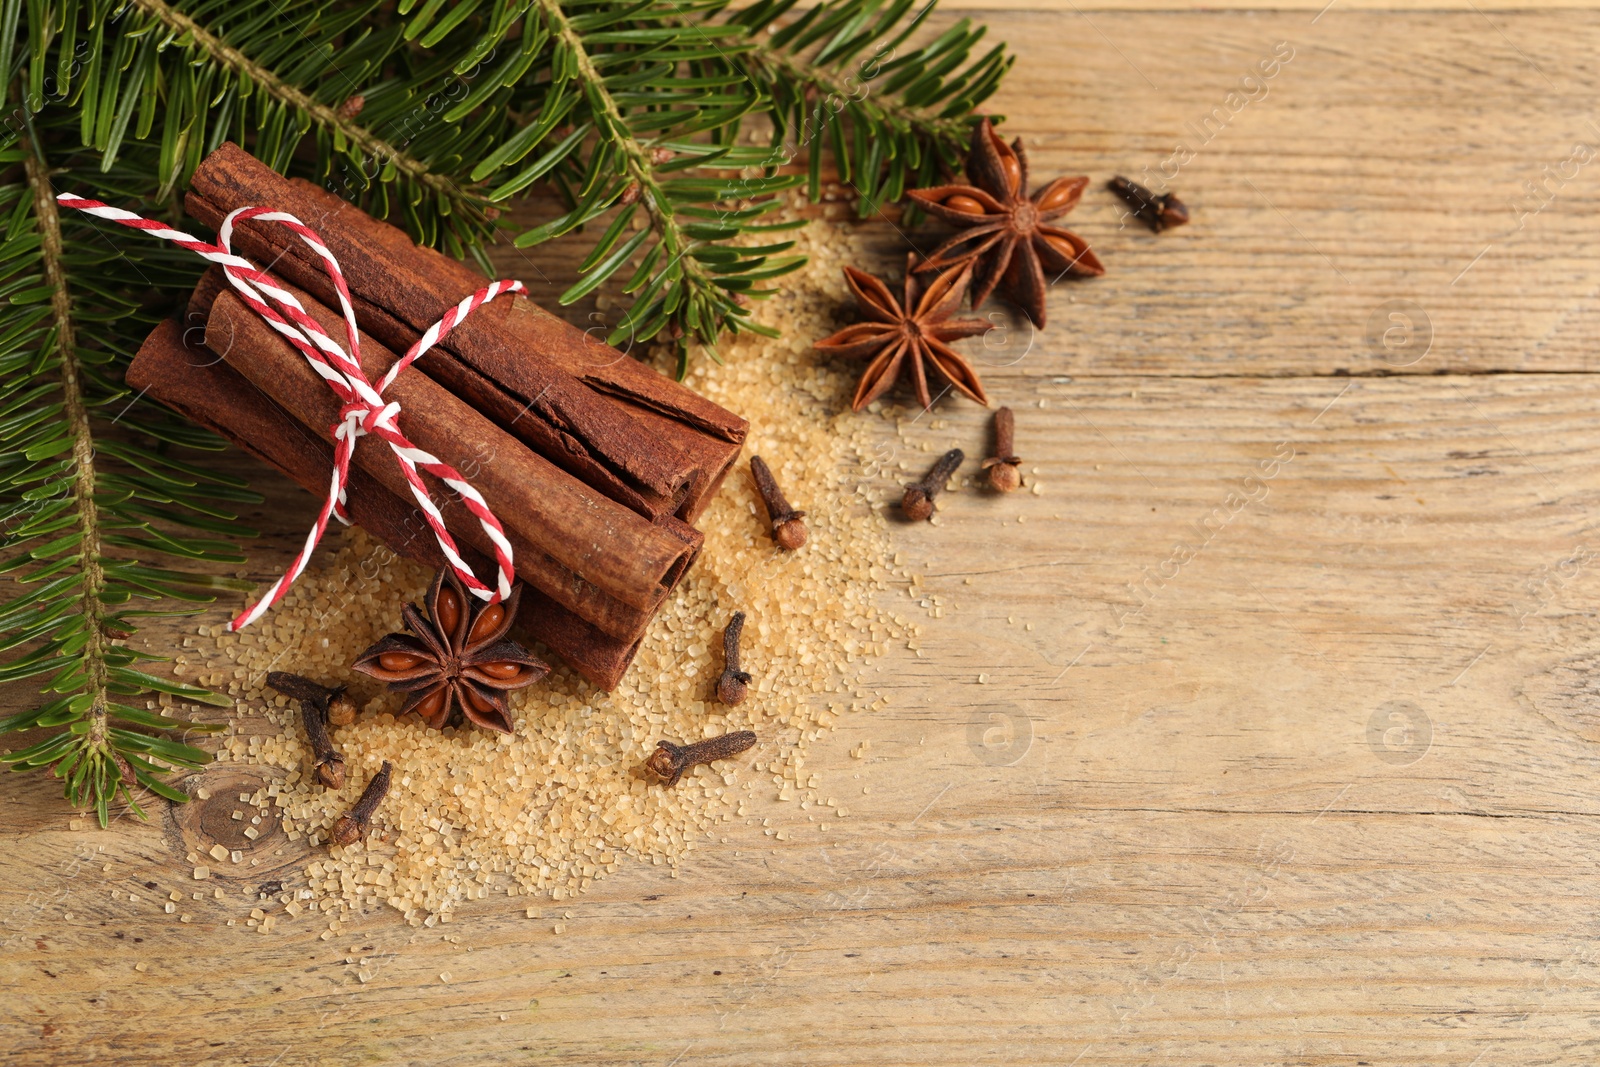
pixel 668 127
pixel 83 511
pixel 435 115
pixel 896 117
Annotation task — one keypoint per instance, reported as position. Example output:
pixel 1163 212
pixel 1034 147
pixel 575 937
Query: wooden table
pixel 1268 738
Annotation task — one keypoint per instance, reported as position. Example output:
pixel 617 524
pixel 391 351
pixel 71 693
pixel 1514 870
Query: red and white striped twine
pixel 363 408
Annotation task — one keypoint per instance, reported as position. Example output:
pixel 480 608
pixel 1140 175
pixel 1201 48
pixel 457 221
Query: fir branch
pixel 636 163
pixel 824 83
pixel 421 112
pixel 328 118
pixel 699 288
pixel 893 121
pixel 91 577
pixel 425 115
pixel 72 492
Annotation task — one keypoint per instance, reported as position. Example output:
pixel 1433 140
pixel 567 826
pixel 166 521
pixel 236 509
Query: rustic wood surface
pixel 1265 735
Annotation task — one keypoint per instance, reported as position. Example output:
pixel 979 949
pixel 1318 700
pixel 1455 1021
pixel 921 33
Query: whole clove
pixel 788 527
pixel 669 761
pixel 353 825
pixel 1157 212
pixel 1003 468
pixel 734 683
pixel 298 687
pixel 329 767
pixel 314 700
pixel 918 501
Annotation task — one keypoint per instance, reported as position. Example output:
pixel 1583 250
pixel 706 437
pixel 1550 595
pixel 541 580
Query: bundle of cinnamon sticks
pixel 595 464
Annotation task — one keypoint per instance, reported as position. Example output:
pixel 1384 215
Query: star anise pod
pixel 908 336
pixel 456 660
pixel 1003 230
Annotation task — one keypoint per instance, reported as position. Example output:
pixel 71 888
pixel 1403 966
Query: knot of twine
pixel 358 417
pixel 362 409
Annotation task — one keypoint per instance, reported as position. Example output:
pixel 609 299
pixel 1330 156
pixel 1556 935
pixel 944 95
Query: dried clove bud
pixel 1157 212
pixel 788 525
pixel 313 698
pixel 669 761
pixel 1004 466
pixel 299 687
pixel 341 709
pixel 732 686
pixel 918 501
pixel 329 767
pixel 353 825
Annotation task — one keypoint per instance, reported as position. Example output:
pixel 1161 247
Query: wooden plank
pixel 1315 789
pixel 1362 214
pixel 999 11
pixel 993 10
pixel 1336 196
pixel 1229 840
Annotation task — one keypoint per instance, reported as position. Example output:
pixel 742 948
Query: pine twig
pixel 327 117
pixel 70 496
pixel 77 418
pixel 637 165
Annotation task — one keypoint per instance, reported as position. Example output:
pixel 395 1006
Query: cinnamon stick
pixel 649 430
pixel 605 563
pixel 192 380
pixel 500 407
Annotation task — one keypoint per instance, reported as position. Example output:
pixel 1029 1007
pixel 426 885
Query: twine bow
pixel 363 409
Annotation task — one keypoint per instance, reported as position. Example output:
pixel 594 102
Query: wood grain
pixel 1201 763
pixel 1074 7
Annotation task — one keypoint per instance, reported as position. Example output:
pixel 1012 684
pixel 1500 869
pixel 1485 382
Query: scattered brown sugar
pixel 562 800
